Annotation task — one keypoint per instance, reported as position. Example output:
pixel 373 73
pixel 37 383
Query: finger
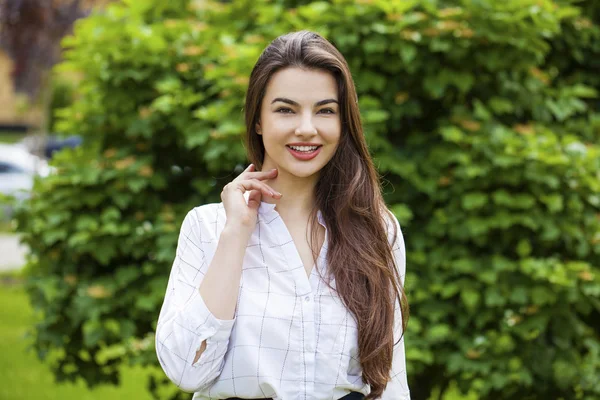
pixel 265 189
pixel 260 175
pixel 254 199
pixel 253 184
pixel 245 174
pixel 274 192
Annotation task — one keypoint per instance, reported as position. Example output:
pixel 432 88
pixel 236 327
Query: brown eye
pixel 327 111
pixel 284 110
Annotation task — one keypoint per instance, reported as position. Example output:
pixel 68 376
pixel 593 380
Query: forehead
pixel 299 84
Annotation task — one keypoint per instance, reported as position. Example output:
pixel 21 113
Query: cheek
pixel 276 126
pixel 332 131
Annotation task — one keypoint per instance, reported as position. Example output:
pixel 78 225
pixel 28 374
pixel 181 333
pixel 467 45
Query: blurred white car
pixel 18 169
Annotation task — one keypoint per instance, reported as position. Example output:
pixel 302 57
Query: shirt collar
pixel 268 209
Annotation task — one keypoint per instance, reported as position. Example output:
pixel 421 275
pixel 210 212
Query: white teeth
pixel 307 149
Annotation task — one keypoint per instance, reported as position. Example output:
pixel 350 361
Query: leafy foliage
pixel 484 121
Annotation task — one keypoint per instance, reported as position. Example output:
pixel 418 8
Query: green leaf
pixel 470 298
pixel 473 201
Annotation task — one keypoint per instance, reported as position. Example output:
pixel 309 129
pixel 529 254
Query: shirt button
pixel 306 299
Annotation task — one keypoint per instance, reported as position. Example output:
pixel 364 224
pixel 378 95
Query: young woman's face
pixel 300 121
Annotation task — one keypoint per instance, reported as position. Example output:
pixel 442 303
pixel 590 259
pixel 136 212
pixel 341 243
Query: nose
pixel 306 126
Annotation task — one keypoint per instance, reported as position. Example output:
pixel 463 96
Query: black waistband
pixel 349 396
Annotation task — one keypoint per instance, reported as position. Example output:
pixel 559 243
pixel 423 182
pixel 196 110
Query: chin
pixel 303 173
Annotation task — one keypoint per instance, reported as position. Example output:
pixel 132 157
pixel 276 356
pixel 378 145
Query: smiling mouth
pixel 304 149
pixel 304 153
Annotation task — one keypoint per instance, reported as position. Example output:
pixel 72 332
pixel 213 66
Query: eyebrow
pixel 293 103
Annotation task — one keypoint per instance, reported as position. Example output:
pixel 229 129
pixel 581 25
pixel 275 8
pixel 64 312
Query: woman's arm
pixel 193 329
pixel 195 321
pixel 397 388
pixel 220 285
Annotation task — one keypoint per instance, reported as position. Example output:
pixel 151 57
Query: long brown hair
pixel 348 193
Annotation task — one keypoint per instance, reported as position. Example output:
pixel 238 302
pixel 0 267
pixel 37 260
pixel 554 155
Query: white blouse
pixel 291 336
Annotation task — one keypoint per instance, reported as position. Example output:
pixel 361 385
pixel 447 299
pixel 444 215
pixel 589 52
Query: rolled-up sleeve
pixel 185 322
pixel 397 388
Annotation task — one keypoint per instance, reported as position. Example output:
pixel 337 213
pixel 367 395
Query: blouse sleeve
pixel 397 388
pixel 185 322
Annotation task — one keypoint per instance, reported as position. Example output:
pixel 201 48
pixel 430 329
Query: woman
pixel 291 288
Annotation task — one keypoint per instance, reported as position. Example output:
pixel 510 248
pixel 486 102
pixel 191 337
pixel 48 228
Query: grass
pixel 24 377
pixel 10 137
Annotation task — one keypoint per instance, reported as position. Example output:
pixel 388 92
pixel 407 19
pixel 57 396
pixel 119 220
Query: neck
pixel 298 193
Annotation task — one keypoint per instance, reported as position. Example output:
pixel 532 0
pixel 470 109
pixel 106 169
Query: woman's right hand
pixel 239 213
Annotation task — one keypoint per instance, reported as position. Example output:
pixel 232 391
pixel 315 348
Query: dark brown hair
pixel 348 193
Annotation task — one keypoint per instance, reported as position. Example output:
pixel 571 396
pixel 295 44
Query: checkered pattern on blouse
pixel 291 337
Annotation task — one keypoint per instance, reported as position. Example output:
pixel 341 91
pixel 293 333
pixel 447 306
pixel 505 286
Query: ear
pixel 257 128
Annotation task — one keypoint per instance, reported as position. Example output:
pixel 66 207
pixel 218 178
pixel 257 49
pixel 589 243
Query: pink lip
pixel 304 156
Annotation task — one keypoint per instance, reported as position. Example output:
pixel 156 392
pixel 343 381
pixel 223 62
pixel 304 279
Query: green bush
pixel 484 121
pixel 62 97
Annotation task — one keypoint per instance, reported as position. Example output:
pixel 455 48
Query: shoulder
pixel 210 210
pixel 206 214
pixel 396 240
pixel 394 231
pixel 392 225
